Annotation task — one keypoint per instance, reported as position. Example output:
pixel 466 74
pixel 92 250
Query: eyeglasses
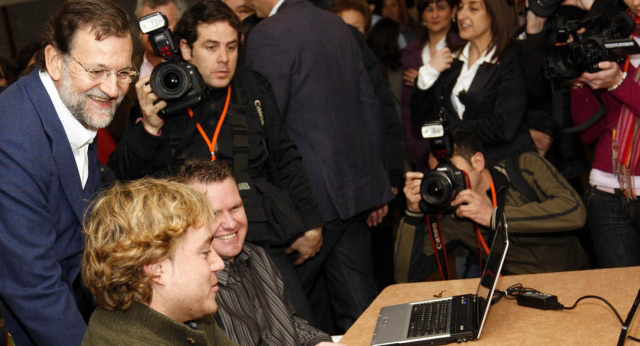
pixel 101 74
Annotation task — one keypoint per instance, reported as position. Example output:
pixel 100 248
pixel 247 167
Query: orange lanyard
pixel 626 64
pixel 212 143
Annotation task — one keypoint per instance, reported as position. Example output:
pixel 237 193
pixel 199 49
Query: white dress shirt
pixel 79 137
pixel 275 8
pixel 467 74
pixel 427 75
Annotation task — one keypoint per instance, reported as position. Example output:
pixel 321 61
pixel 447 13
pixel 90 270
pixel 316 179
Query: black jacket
pixel 140 153
pixel 495 106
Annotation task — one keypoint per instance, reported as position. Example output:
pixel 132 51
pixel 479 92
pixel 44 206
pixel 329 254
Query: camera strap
pixel 212 143
pixel 439 244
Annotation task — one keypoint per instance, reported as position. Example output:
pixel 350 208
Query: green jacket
pixel 542 233
pixel 141 325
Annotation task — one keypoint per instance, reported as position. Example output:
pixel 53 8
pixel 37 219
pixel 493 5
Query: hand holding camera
pixel 412 190
pixel 150 105
pixel 473 206
pixel 608 76
pixel 175 81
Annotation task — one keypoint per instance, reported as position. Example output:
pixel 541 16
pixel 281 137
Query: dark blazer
pixel 330 109
pixel 42 203
pixel 393 130
pixel 495 106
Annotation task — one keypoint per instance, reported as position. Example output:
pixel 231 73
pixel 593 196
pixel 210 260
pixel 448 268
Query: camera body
pixel 174 80
pixel 440 186
pixel 604 39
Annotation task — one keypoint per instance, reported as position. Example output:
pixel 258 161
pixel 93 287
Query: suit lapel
pixel 450 78
pixel 482 77
pixel 60 147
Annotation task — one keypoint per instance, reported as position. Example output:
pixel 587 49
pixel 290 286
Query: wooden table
pixel 590 323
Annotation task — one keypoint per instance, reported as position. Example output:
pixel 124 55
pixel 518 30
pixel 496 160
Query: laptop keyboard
pixel 430 318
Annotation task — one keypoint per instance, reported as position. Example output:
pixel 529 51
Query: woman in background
pixel 439 32
pixel 480 87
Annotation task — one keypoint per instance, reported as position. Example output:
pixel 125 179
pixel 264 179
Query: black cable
pixel 594 297
pixel 606 302
pixel 513 291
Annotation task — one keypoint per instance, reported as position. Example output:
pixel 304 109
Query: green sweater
pixel 542 233
pixel 141 325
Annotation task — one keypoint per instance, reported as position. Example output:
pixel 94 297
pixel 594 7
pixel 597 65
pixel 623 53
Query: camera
pixel 173 80
pixel 440 186
pixel 606 38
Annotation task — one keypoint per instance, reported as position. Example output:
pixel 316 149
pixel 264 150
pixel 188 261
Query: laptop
pixel 451 319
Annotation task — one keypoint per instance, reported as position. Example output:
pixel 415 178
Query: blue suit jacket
pixel 331 111
pixel 42 203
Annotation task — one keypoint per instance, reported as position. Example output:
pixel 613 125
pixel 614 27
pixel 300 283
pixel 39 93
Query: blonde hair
pixel 133 224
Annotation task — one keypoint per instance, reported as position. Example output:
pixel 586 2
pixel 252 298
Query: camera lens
pixel 436 189
pixel 171 80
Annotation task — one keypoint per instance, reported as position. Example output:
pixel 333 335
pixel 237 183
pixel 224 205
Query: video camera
pixel 174 80
pixel 440 186
pixel 606 38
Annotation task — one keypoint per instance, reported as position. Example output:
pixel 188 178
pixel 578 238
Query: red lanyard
pixel 439 244
pixel 212 143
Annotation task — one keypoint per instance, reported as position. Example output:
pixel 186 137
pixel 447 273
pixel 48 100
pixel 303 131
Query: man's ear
pixel 185 49
pixel 154 270
pixel 54 61
pixel 477 162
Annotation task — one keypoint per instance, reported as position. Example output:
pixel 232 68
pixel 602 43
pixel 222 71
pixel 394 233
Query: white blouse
pixel 427 75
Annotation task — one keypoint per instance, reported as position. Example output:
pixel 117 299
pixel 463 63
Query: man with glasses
pixel 48 122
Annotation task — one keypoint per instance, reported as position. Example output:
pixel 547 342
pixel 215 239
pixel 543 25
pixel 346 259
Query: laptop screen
pixel 491 271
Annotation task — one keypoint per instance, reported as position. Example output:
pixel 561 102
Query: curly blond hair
pixel 133 224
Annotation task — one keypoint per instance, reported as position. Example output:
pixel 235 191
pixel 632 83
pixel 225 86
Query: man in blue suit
pixel 49 171
pixel 331 112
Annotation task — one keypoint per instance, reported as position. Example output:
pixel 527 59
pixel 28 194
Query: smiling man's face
pixel 93 100
pixel 230 228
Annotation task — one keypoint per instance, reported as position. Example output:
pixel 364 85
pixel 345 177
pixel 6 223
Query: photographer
pixel 251 137
pixel 612 203
pixel 539 227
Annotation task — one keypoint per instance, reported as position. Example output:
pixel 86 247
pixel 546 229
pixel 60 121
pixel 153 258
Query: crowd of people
pixel 274 209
